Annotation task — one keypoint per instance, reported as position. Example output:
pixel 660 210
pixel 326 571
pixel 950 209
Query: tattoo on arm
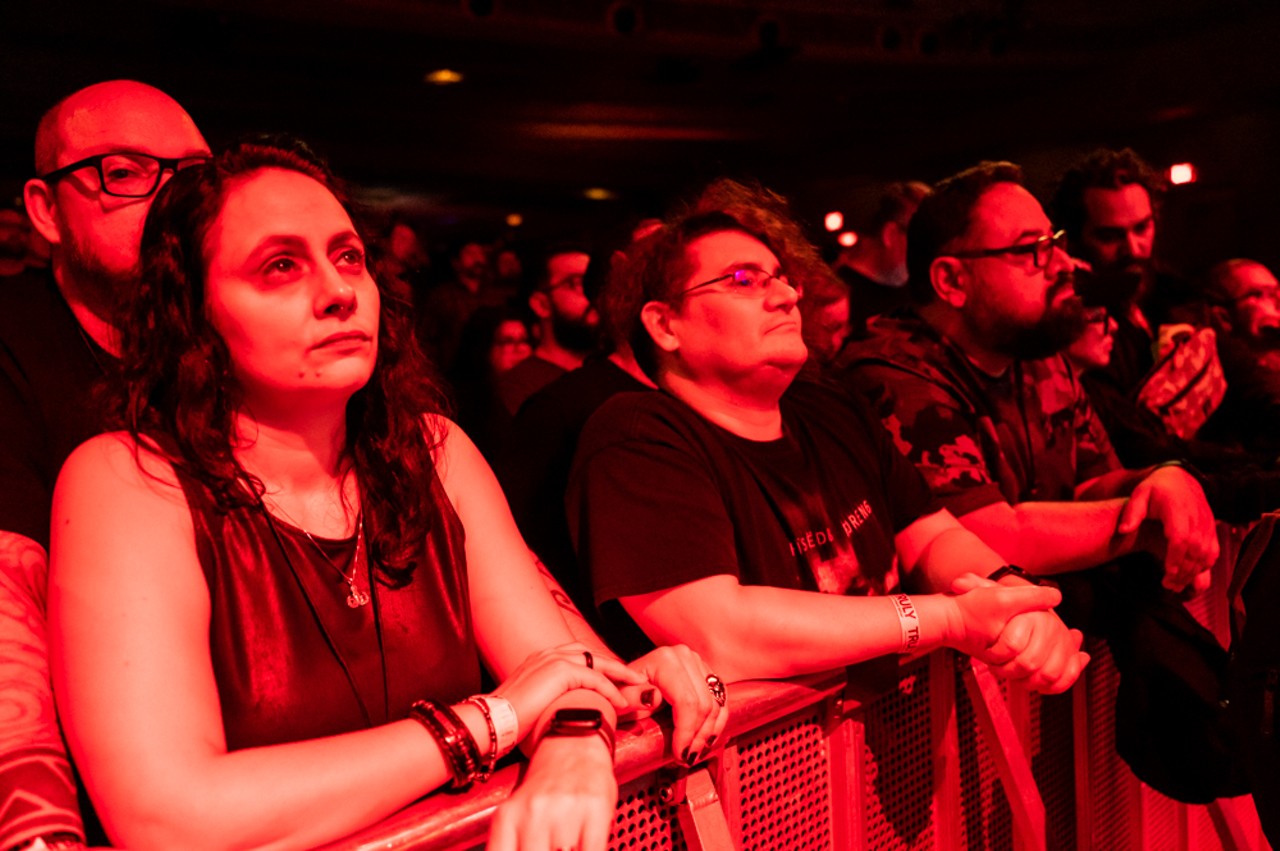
pixel 557 592
pixel 37 792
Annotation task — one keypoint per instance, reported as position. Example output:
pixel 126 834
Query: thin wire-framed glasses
pixel 750 282
pixel 1041 250
pixel 127 175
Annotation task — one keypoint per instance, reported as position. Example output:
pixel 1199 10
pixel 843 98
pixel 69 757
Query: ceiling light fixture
pixel 443 77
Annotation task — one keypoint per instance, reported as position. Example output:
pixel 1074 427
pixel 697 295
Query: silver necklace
pixel 355 598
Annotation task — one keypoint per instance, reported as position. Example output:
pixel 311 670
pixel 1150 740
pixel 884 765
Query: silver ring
pixel 717 688
pixel 591 661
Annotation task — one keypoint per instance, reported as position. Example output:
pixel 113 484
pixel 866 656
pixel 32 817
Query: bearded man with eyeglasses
pixel 973 386
pixel 101 154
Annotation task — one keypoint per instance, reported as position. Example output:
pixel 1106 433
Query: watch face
pixel 576 721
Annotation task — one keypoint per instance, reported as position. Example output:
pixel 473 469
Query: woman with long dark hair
pixel 272 589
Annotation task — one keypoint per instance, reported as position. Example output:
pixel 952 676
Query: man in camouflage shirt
pixel 971 386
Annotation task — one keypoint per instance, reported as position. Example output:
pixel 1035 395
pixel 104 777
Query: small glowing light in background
pixel 1180 173
pixel 443 77
pixel 833 221
pixel 514 220
pixel 599 193
pixel 848 239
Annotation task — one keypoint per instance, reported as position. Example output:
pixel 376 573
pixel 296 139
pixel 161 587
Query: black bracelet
pixel 1013 570
pixel 1178 462
pixel 455 740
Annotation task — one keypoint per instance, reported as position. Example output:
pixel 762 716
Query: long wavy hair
pixel 178 389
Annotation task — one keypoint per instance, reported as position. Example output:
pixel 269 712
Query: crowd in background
pixel 348 521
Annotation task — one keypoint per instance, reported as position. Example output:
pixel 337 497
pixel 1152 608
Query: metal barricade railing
pixel 947 758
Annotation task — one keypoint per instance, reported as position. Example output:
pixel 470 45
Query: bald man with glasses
pixel 100 156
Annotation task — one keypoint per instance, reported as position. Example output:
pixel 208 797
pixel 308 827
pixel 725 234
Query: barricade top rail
pixel 445 820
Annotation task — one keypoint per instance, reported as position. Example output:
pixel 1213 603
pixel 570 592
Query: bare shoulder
pixel 452 446
pixel 115 461
pixel 463 471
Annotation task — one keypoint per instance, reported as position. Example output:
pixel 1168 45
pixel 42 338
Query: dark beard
pixel 576 335
pixel 1056 330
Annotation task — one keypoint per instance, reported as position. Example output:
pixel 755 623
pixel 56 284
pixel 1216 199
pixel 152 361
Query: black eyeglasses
pixel 745 282
pixel 1041 250
pixel 573 282
pixel 1097 316
pixel 127 175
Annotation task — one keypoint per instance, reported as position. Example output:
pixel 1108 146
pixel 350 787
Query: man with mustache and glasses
pixel 100 156
pixel 972 386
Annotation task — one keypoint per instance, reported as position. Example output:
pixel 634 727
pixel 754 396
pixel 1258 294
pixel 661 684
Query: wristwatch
pixel 581 722
pixel 1014 570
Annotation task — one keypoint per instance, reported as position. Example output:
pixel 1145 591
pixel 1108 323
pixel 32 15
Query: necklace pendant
pixel 357 598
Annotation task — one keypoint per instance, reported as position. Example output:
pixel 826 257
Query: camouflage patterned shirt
pixel 1028 434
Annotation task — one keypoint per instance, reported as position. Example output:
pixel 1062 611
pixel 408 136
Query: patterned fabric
pixel 1027 434
pixel 1187 383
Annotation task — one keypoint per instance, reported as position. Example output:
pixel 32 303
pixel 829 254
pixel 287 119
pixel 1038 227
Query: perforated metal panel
pixel 784 786
pixel 1052 764
pixel 1113 788
pixel 985 819
pixel 1161 822
pixel 898 765
pixel 643 822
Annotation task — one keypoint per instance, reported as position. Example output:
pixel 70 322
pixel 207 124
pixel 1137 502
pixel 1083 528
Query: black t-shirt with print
pixel 659 497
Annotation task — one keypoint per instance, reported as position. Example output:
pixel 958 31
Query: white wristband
pixel 908 622
pixel 505 723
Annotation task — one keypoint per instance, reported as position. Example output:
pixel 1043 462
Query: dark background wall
pixel 819 98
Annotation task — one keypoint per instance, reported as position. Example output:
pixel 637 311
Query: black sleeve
pixel 906 490
pixel 644 510
pixel 25 492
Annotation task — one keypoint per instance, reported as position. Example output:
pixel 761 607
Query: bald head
pixel 93 235
pixel 1249 297
pixel 118 115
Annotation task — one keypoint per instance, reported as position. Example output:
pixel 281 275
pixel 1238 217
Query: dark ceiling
pixel 643 96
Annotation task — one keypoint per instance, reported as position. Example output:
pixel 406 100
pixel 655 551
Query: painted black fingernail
pixel 684 756
pixel 693 757
pixel 711 740
pixel 646 697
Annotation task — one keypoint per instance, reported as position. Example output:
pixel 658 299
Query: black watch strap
pixel 1014 570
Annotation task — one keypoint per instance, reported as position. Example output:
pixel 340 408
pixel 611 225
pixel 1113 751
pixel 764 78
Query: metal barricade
pixel 950 758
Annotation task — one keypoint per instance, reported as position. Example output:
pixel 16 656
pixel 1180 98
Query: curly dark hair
pixel 177 387
pixel 945 215
pixel 1102 169
pixel 657 265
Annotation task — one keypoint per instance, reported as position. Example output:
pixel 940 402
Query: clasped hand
pixel 1014 630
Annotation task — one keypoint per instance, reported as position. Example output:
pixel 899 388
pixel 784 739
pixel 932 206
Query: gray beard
pixel 100 289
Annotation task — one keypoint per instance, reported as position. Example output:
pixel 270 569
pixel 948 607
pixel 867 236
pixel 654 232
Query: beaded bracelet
pixel 486 770
pixel 453 737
